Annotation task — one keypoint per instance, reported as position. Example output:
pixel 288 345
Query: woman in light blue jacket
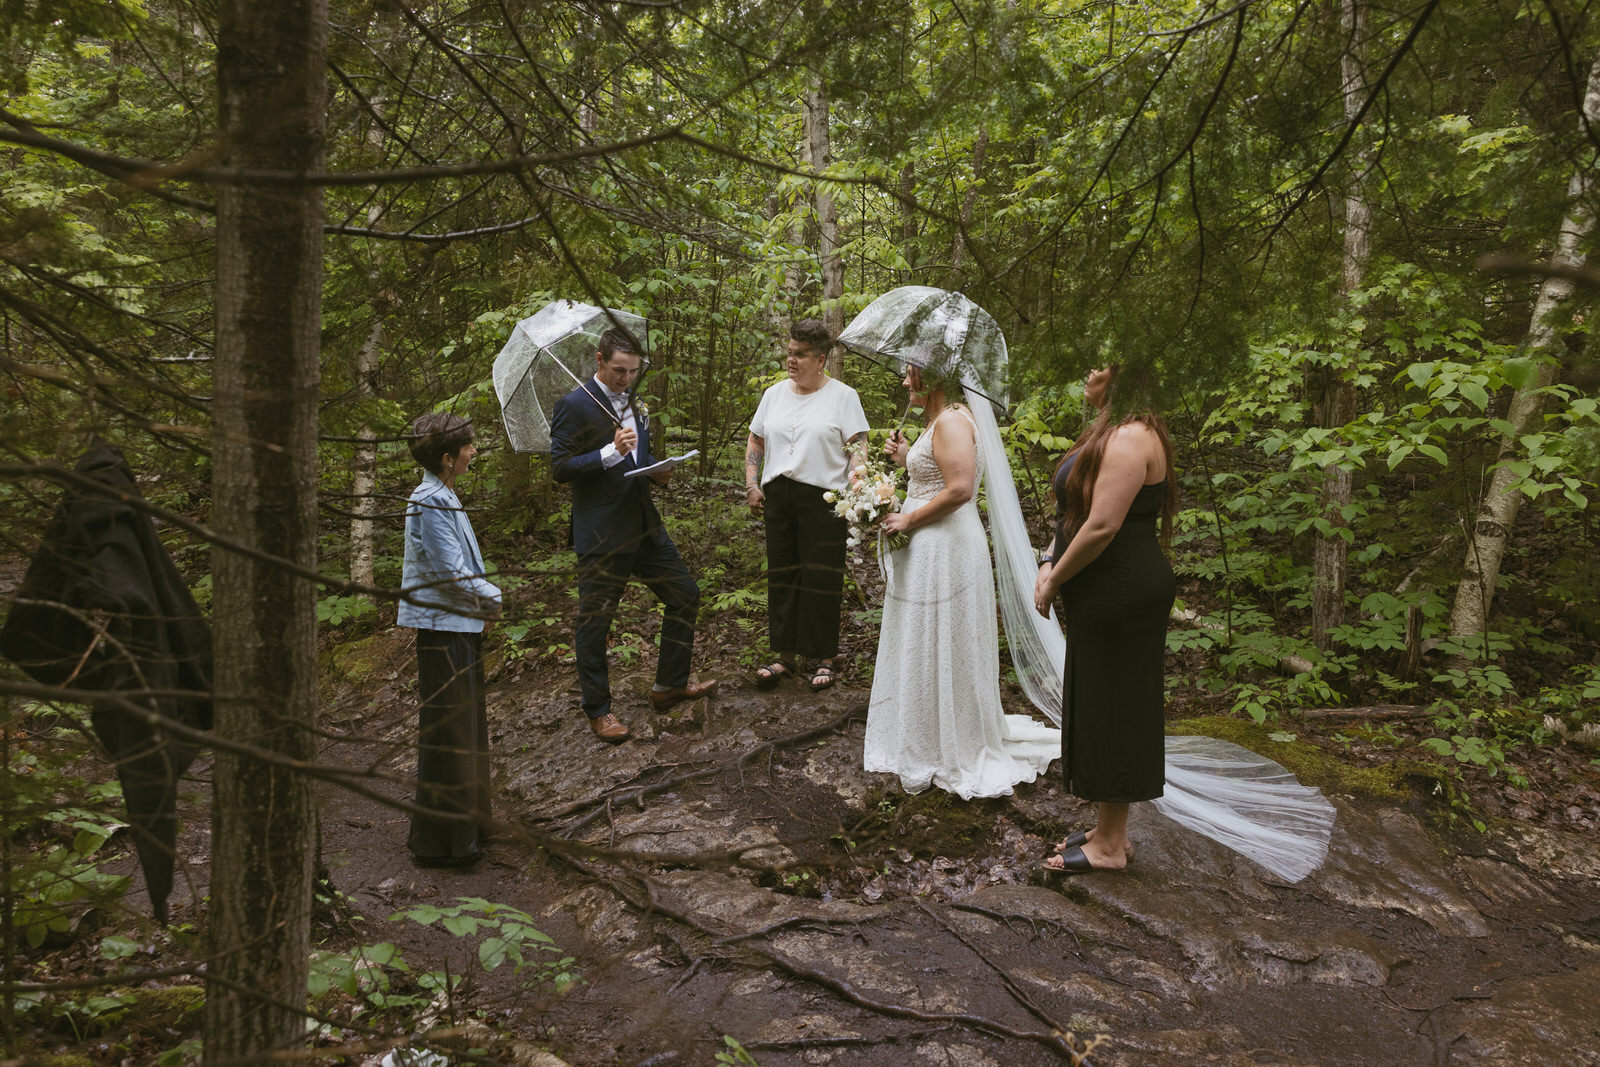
pixel 446 598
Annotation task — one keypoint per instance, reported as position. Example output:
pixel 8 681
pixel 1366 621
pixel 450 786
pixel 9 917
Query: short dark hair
pixel 813 334
pixel 436 435
pixel 617 339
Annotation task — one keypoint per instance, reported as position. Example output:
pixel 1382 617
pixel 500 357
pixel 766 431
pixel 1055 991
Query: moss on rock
pixel 364 666
pixel 1396 780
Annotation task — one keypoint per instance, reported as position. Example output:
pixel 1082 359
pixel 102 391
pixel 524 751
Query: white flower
pixel 830 496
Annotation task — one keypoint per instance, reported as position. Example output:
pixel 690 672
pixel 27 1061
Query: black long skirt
pixel 1115 611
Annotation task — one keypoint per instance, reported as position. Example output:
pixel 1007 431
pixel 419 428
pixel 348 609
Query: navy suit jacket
pixel 610 513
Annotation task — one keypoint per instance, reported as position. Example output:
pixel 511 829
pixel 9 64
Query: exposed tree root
pixel 1056 1040
pixel 1016 991
pixel 1002 917
pixel 601 805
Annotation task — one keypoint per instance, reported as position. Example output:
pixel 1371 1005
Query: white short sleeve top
pixel 806 434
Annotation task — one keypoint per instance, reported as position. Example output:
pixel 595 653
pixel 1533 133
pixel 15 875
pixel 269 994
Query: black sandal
pixel 823 677
pixel 776 671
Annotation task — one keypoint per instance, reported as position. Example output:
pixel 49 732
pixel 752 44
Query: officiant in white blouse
pixel 806 436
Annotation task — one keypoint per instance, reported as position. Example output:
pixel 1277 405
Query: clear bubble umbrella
pixel 941 331
pixel 1216 788
pixel 546 356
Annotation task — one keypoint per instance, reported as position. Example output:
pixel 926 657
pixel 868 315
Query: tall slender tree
pixel 1336 395
pixel 272 103
pixel 819 149
pixel 1497 512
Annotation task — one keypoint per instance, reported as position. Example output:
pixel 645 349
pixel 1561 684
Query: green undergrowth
pixel 148 1010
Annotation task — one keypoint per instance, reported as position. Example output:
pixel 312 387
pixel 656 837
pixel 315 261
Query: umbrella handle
pixel 612 415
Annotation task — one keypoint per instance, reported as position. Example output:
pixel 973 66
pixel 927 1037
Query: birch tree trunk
pixel 272 88
pixel 1497 513
pixel 1336 405
pixel 832 264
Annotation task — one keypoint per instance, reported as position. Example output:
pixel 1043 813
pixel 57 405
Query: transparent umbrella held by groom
pixel 547 355
pixel 1216 788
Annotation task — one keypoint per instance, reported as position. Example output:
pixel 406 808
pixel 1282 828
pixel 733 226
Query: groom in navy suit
pixel 597 435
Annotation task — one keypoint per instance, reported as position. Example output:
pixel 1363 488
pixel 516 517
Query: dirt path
pixel 866 927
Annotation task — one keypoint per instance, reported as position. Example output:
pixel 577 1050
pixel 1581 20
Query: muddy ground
pixel 861 926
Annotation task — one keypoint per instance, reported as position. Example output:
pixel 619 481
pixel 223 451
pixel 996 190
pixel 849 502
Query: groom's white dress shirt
pixel 609 456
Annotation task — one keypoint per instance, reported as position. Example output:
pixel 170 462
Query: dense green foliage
pixel 1159 184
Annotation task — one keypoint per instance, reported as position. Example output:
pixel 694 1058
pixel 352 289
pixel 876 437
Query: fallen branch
pixel 1372 713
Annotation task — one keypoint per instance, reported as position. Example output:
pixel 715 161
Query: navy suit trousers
pixel 602 577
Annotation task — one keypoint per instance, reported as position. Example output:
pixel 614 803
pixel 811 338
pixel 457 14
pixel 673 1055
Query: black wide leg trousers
pixel 452 745
pixel 805 569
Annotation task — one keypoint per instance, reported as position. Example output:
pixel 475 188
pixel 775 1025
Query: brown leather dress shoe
pixel 663 699
pixel 608 727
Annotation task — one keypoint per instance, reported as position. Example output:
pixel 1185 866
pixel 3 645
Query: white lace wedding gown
pixel 935 716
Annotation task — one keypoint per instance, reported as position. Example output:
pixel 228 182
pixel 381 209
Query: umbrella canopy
pixel 545 357
pixel 935 329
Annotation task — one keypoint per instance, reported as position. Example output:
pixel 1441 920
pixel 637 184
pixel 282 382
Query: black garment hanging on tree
pixel 104 608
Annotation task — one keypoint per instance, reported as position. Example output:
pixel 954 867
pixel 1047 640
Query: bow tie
pixel 617 399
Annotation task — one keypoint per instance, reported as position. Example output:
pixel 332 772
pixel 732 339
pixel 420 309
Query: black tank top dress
pixel 1113 701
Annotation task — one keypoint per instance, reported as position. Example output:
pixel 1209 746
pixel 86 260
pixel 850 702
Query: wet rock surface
pixel 750 879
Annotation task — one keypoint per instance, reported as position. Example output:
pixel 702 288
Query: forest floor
pixel 732 872
pixel 863 926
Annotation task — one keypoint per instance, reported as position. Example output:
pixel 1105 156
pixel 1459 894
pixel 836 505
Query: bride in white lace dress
pixel 935 716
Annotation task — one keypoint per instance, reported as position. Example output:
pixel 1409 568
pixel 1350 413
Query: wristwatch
pixel 1046 559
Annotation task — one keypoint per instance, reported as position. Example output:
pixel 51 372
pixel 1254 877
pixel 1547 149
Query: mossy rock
pixel 364 665
pixel 1397 780
pixel 60 1059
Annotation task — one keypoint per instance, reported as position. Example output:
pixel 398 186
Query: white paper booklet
pixel 664 465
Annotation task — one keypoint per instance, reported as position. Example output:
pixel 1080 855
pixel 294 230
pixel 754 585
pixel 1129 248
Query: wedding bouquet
pixel 865 502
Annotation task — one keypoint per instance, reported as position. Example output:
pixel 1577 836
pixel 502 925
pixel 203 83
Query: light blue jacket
pixel 443 567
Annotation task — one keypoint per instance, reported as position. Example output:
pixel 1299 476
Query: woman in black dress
pixel 1116 587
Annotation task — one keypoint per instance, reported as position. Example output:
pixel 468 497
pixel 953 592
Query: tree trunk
pixel 1337 404
pixel 958 247
pixel 364 467
pixel 832 264
pixel 908 217
pixel 783 297
pixel 271 88
pixel 1497 513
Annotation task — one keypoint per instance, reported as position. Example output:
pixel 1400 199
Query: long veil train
pixel 1214 787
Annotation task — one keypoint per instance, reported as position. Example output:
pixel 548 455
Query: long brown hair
pixel 1077 495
